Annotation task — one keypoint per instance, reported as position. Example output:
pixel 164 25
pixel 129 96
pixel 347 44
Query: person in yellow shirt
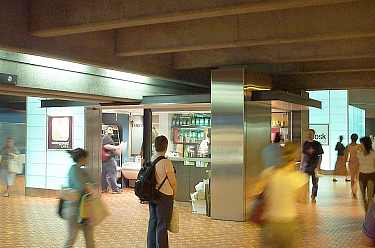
pixel 281 185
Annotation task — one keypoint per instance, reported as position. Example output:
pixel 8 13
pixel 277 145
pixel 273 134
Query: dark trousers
pixel 160 217
pixel 109 176
pixel 314 180
pixel 367 185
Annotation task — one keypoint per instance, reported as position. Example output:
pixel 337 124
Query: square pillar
pixel 240 130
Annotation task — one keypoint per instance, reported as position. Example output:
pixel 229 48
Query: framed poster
pixel 60 132
pixel 321 133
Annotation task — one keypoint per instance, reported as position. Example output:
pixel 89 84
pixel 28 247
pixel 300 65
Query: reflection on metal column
pixel 227 145
pixel 258 120
pixel 93 142
pixel 147 134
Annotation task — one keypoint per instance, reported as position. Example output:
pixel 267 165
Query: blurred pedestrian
pixel 79 181
pixel 340 166
pixel 161 208
pixel 353 164
pixel 366 159
pixel 284 182
pixel 312 158
pixel 271 154
pixel 8 153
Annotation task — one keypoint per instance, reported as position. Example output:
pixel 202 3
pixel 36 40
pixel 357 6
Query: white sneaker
pixel 6 194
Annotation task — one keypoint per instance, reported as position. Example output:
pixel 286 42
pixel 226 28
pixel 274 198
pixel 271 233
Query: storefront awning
pixel 283 100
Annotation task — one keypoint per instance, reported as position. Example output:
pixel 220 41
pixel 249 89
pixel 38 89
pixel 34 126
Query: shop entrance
pixel 188 130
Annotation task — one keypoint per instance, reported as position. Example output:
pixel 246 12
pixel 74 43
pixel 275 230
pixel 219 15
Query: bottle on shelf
pixel 193 120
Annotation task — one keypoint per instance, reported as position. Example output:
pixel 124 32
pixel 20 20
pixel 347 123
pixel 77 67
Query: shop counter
pixel 189 172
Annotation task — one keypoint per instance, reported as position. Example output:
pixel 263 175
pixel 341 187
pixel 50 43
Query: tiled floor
pixel 32 222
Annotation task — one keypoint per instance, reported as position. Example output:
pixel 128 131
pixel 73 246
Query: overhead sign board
pixel 321 133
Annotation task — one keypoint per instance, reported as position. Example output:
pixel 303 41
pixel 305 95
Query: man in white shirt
pixel 161 209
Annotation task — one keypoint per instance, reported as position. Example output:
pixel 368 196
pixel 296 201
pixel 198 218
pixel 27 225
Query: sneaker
pixel 6 194
pixel 347 180
pixel 334 180
pixel 116 192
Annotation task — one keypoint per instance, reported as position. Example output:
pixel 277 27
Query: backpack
pixel 145 185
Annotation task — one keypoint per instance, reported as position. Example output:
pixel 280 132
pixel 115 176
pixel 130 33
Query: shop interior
pixel 188 132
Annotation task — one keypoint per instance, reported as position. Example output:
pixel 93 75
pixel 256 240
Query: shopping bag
pixel 175 221
pixel 14 165
pixel 258 209
pixel 99 211
pixel 92 209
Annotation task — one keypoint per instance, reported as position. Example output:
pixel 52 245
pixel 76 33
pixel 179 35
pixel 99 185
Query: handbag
pixel 175 221
pixel 258 209
pixel 60 207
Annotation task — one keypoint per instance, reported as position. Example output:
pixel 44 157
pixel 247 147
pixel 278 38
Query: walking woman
pixel 351 157
pixel 366 158
pixel 79 180
pixel 8 152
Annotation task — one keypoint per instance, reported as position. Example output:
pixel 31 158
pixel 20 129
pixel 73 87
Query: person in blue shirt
pixel 312 158
pixel 80 182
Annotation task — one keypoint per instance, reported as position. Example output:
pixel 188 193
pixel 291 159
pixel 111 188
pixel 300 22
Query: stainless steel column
pixel 147 134
pixel 93 142
pixel 227 145
pixel 240 130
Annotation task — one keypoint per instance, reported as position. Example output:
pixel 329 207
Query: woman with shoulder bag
pixel 79 180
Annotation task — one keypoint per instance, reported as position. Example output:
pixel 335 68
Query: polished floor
pixel 335 221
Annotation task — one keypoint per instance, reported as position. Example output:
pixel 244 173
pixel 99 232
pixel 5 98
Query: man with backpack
pixel 161 200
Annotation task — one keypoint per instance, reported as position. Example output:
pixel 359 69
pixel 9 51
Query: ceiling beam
pixel 55 17
pixel 285 53
pixel 317 67
pixel 90 48
pixel 313 24
pixel 339 80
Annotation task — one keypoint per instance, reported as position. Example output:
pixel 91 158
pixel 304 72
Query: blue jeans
pixel 160 217
pixel 314 180
pixel 109 175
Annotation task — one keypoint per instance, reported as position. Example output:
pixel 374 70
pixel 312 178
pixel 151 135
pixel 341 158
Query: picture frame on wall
pixel 60 132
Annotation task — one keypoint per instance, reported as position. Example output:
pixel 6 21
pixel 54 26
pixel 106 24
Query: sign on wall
pixel 60 132
pixel 321 133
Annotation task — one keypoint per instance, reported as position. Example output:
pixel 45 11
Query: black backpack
pixel 145 185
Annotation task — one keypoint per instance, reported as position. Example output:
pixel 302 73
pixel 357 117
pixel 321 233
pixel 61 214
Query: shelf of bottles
pixel 190 129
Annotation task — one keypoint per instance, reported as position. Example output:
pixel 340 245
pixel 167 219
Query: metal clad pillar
pixel 227 145
pixel 93 142
pixel 147 134
pixel 240 130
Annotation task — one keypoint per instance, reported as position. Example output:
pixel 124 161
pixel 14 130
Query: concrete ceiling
pixel 301 44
